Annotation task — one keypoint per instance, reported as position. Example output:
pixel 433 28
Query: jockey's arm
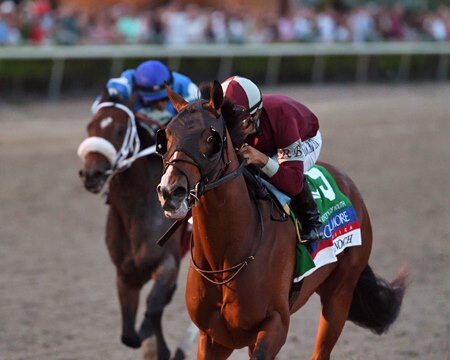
pixel 284 171
pixel 119 88
pixel 192 93
pixel 287 176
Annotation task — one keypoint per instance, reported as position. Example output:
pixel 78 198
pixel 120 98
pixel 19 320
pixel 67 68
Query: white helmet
pixel 243 92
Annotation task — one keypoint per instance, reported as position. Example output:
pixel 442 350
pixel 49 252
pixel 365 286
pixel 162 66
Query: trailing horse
pixel 119 153
pixel 242 265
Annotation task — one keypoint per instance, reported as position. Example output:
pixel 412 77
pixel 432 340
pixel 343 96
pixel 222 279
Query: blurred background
pixel 54 46
pixel 376 73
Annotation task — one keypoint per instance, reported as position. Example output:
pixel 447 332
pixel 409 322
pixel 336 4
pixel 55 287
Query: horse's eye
pixel 210 139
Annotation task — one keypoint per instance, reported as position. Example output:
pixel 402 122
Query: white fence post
pixel 318 72
pixel 442 71
pixel 273 70
pixel 225 67
pixel 362 68
pixel 116 67
pixel 56 78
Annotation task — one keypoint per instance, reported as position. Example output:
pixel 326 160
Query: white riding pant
pixel 311 151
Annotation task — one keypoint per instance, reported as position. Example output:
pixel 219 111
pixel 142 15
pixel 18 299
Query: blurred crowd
pixel 40 22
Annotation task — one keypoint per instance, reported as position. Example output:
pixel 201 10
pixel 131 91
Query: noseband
pixel 208 167
pixel 129 151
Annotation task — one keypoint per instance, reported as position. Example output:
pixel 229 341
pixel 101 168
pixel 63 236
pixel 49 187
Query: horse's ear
pixel 104 95
pixel 216 95
pixel 176 99
pixel 205 90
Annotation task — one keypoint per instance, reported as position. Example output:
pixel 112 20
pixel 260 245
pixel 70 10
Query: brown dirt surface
pixel 57 289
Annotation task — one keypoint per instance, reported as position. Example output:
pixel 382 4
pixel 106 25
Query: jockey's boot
pixel 305 208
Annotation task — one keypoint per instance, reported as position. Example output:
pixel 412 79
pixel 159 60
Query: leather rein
pixel 193 196
pixel 236 269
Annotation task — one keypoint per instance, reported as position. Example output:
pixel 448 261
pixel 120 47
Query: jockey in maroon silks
pixel 282 138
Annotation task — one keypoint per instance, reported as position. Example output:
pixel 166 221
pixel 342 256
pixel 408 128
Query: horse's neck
pixel 132 186
pixel 223 220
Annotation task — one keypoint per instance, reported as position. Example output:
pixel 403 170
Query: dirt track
pixel 57 291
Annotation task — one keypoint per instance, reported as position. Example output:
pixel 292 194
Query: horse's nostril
pixel 163 192
pixel 81 173
pixel 180 192
pixel 97 174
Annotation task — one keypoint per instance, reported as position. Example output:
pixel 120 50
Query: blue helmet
pixel 149 80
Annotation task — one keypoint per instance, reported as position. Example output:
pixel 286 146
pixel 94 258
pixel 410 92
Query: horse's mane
pixel 230 114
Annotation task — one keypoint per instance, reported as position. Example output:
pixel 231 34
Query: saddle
pixel 278 212
pixel 259 191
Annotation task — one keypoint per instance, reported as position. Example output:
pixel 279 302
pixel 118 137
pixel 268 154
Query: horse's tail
pixel 376 303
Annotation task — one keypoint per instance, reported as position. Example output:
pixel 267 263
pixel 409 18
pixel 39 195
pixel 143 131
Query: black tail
pixel 376 303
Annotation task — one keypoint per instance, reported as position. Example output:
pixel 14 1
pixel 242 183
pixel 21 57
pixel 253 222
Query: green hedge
pixel 87 76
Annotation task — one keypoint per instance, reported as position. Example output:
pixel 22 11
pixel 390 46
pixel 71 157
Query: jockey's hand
pixel 253 156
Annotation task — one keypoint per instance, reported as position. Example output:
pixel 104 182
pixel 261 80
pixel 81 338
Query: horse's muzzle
pixel 173 201
pixel 93 180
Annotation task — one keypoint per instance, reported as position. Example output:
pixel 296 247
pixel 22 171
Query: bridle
pixel 129 151
pixel 199 161
pixel 204 185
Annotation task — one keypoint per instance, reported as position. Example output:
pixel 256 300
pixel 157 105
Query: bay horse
pixel 119 153
pixel 242 262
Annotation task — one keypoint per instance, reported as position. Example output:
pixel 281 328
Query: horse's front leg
pixel 209 350
pixel 129 301
pixel 271 336
pixel 127 287
pixel 165 278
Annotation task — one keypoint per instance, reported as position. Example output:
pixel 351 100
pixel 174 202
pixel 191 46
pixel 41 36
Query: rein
pixel 128 153
pixel 203 186
pixel 130 150
pixel 194 194
pixel 236 269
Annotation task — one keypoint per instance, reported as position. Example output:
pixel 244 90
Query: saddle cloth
pixel 340 224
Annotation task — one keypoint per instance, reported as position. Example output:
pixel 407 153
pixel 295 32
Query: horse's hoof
pixel 179 355
pixel 132 341
pixel 164 354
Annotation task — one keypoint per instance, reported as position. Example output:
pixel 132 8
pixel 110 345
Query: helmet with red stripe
pixel 243 92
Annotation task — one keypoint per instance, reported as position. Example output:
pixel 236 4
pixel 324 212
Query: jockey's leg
pixel 303 204
pixel 271 336
pixel 305 208
pixel 311 151
pixel 210 350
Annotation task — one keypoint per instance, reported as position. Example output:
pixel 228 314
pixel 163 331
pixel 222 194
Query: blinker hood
pixel 186 130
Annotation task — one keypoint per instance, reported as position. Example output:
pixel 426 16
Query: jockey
pixel 282 138
pixel 147 82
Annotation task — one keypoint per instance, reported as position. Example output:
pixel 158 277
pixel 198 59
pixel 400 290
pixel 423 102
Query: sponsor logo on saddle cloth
pixel 340 224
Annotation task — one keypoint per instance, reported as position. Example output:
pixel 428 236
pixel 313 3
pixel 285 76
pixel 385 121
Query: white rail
pixel 226 54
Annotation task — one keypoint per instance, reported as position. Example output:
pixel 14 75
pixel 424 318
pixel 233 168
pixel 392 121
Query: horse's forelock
pixel 102 113
pixel 230 114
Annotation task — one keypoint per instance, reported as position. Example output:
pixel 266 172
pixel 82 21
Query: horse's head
pixel 107 133
pixel 192 147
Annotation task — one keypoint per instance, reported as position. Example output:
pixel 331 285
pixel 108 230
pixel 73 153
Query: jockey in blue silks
pixel 147 82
